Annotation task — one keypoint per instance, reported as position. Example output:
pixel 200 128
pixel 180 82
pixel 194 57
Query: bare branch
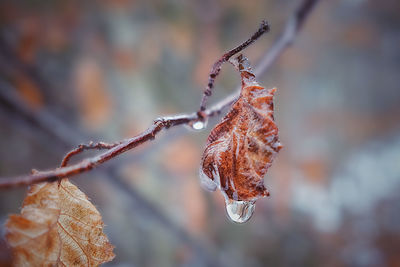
pixel 287 37
pixel 216 68
pixel 83 147
pixel 293 26
pixel 90 163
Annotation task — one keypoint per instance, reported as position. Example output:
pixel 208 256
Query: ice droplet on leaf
pixel 239 211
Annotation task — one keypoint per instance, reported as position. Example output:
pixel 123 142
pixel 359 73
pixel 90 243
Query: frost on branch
pixel 58 226
pixel 241 148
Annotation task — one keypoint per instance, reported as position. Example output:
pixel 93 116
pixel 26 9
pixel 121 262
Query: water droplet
pixel 239 211
pixel 197 125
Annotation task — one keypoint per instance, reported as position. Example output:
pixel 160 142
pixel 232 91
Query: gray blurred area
pixel 74 71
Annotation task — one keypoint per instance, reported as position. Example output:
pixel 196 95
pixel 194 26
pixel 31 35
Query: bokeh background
pixel 73 71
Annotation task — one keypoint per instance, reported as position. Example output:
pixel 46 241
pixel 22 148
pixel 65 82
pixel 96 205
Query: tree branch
pixel 83 147
pixel 291 29
pixel 216 68
pixel 90 163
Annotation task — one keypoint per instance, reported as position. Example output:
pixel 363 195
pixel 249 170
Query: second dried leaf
pixel 58 226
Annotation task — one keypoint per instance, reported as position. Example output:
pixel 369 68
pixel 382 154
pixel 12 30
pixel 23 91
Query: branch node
pixel 201 115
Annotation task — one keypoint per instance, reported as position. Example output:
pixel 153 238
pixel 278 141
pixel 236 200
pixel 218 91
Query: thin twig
pixel 216 68
pixel 290 31
pixel 292 27
pixel 90 163
pixel 89 146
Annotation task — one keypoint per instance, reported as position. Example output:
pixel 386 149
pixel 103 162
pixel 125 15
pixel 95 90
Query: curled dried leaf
pixel 241 148
pixel 58 226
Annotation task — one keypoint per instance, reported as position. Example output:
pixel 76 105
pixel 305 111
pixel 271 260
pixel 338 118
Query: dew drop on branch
pixel 197 125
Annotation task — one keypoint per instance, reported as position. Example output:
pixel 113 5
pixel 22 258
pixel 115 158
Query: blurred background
pixel 74 71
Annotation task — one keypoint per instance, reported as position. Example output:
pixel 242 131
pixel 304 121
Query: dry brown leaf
pixel 58 226
pixel 242 147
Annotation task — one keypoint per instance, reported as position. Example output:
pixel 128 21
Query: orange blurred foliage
pixel 94 101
